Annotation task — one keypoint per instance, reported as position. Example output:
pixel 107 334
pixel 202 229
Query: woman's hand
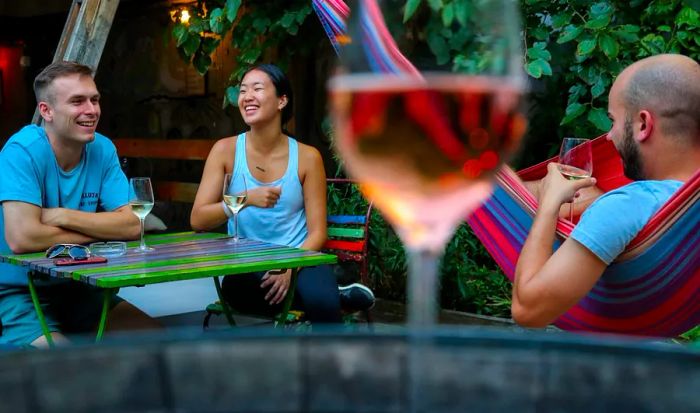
pixel 264 196
pixel 278 281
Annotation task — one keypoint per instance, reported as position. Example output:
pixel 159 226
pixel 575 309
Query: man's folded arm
pixel 29 228
pixel 118 224
pixel 24 231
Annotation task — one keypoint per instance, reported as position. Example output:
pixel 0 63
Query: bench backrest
pixel 348 234
pixel 162 149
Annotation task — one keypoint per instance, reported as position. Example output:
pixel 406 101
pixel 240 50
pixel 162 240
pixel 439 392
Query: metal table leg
pixel 282 318
pixel 106 300
pixel 37 308
pixel 224 305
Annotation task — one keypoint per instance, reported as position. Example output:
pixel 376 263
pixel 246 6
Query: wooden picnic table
pixel 179 256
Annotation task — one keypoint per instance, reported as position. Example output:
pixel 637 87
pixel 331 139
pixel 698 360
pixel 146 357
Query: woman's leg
pixel 243 293
pixel 317 292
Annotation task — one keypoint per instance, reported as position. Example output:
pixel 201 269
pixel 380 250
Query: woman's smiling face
pixel 258 101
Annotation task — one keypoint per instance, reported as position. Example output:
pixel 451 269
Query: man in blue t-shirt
pixel 654 105
pixel 61 183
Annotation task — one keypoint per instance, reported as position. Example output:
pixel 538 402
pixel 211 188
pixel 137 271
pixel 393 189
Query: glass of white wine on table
pixel 575 162
pixel 141 203
pixel 235 199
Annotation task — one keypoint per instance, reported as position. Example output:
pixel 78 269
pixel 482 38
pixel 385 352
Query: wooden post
pixel 84 34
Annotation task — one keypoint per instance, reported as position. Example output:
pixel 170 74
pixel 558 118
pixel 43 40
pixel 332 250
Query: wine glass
pixel 234 198
pixel 575 162
pixel 424 138
pixel 141 203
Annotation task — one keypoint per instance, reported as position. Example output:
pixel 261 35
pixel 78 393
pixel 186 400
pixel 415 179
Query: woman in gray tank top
pixel 286 203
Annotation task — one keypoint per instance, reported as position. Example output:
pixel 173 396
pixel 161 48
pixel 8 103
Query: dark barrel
pixel 463 370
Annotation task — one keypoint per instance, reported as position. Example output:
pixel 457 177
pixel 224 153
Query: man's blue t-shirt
pixel 30 173
pixel 614 219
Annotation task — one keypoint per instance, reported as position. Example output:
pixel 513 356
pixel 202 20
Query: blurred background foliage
pixel 573 51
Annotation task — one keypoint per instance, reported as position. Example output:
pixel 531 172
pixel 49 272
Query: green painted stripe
pixel 157 239
pixel 204 272
pixel 177 261
pixel 346 232
pixel 176 237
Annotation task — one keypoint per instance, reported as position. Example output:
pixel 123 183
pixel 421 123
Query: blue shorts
pixel 69 308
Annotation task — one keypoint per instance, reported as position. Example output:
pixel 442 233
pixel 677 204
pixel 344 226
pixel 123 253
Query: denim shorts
pixel 69 308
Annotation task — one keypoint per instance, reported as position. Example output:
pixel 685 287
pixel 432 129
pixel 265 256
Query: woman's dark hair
pixel 282 86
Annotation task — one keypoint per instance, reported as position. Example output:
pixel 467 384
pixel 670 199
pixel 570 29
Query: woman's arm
pixel 207 210
pixel 313 180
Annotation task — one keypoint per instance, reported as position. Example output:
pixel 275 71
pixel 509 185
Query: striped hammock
pixel 652 289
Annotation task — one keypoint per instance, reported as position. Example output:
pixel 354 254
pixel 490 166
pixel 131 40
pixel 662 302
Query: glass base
pixel 144 249
pixel 234 240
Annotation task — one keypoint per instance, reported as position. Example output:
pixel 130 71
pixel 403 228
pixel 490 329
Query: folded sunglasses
pixel 75 251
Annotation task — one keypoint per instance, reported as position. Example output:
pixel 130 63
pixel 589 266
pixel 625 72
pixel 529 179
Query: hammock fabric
pixel 652 289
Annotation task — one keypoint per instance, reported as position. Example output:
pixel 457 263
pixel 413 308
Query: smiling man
pixel 61 183
pixel 654 105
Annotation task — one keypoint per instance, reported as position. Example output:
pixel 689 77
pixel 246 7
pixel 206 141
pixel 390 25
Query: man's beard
pixel 629 152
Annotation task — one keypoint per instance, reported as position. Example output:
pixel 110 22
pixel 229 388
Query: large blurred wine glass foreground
pixel 423 139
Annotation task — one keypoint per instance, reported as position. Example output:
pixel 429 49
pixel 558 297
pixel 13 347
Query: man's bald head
pixel 668 86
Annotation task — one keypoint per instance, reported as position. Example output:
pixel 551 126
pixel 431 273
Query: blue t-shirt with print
pixel 31 174
pixel 614 219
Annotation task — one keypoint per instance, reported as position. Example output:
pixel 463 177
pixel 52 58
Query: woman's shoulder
pixel 308 153
pixel 224 146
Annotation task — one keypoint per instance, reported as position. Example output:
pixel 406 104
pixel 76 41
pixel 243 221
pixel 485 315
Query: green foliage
pixel 471 281
pixel 254 28
pixel 591 42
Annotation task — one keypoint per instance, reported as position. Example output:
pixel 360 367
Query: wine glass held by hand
pixel 234 199
pixel 424 138
pixel 141 203
pixel 575 162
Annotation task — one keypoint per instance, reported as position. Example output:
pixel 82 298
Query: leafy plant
pixel 253 28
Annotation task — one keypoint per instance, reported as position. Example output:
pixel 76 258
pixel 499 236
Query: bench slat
pixel 175 191
pixel 181 149
pixel 334 244
pixel 346 219
pixel 346 232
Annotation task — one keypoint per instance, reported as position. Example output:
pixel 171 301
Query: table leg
pixel 282 318
pixel 37 308
pixel 224 305
pixel 106 300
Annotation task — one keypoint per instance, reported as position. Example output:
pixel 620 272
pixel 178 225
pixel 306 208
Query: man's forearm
pixel 536 251
pixel 41 237
pixel 120 224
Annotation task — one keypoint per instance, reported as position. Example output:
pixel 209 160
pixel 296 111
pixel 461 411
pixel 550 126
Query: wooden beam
pixel 84 34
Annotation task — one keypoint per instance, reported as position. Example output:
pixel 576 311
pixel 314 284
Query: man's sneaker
pixel 355 297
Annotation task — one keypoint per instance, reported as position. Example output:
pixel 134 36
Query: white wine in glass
pixel 575 162
pixel 235 199
pixel 424 139
pixel 141 203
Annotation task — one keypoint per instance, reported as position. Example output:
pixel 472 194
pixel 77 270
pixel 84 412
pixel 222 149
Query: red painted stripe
pixel 332 244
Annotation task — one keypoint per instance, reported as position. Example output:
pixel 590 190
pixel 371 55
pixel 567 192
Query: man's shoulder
pixel 641 191
pixel 102 145
pixel 27 137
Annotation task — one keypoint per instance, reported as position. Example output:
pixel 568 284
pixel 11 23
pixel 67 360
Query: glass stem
pixel 143 241
pixel 571 209
pixel 423 304
pixel 235 226
pixel 422 288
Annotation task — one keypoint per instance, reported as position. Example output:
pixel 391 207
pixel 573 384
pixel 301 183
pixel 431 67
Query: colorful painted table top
pixel 180 256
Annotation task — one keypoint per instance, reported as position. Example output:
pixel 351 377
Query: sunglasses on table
pixel 75 251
